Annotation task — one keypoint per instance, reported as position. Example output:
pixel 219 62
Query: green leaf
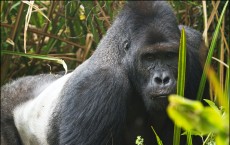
pixel 181 111
pixel 192 116
pixel 159 142
pixel 222 140
pixel 210 121
pixel 212 104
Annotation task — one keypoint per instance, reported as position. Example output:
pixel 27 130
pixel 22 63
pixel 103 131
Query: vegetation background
pixel 71 30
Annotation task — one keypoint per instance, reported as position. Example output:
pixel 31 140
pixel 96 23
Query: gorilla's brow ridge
pixel 161 47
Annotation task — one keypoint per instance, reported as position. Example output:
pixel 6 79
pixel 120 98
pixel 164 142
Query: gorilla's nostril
pixel 166 80
pixel 158 80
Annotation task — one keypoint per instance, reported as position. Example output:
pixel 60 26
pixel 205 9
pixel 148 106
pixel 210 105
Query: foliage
pixel 210 54
pixel 199 120
pixel 69 30
pixel 192 116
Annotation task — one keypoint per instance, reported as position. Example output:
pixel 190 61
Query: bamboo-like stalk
pixel 205 33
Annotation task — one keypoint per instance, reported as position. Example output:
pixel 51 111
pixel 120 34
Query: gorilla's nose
pixel 162 79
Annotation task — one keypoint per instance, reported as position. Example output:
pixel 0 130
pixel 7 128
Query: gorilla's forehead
pixel 142 19
pixel 150 35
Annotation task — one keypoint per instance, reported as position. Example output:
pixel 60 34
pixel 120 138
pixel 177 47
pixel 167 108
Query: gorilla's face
pixel 157 68
pixel 154 67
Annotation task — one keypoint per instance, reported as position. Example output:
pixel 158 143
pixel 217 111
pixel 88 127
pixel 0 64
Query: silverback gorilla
pixel 114 96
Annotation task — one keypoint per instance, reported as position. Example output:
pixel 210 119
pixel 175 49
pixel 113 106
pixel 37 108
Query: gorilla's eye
pixel 126 45
pixel 149 56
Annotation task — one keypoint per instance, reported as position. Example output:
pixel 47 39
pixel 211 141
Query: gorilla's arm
pixel 99 108
pixel 23 89
pixel 15 93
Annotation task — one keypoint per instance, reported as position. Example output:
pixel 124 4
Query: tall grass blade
pixel 181 65
pixel 44 57
pixel 159 142
pixel 210 53
pixel 180 80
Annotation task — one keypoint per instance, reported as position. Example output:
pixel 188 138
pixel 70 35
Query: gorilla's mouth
pixel 159 96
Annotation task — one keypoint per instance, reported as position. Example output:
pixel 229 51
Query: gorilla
pixel 114 96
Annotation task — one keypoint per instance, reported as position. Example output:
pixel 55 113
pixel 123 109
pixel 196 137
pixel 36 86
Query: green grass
pixel 180 80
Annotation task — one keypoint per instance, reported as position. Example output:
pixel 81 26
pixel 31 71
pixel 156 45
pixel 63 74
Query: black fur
pixel 121 90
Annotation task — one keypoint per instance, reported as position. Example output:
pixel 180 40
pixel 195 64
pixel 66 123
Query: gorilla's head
pixel 151 50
